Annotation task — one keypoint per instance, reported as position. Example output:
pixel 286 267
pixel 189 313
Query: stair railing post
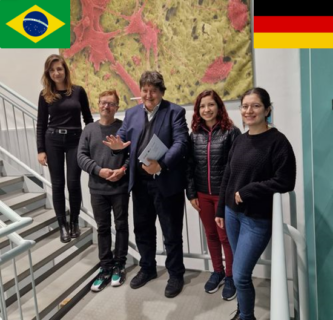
pixel 16 283
pixel 33 285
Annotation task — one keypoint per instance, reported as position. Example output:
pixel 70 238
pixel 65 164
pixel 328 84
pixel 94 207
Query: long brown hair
pixel 222 118
pixel 49 92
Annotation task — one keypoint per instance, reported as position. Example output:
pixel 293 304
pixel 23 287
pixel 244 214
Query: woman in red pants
pixel 212 136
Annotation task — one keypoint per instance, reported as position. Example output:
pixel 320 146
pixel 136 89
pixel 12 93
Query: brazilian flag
pixel 35 24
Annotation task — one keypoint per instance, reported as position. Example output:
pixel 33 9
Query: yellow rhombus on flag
pixel 53 24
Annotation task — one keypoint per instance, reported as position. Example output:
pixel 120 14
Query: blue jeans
pixel 248 238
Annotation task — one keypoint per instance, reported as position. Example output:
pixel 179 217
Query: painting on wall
pixel 196 45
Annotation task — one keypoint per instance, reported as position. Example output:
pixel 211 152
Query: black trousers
pixel 148 203
pixel 58 148
pixel 102 205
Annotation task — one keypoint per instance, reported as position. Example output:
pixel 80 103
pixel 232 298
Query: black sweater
pixel 93 155
pixel 208 157
pixel 258 166
pixel 64 113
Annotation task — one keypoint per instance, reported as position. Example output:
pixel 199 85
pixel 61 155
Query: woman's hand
pixel 195 204
pixel 238 198
pixel 115 143
pixel 220 222
pixel 42 158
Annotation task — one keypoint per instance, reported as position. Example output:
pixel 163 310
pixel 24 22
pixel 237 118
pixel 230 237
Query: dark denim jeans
pixel 102 205
pixel 248 238
pixel 57 147
pixel 148 203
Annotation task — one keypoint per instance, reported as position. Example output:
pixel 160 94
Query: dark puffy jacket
pixel 208 157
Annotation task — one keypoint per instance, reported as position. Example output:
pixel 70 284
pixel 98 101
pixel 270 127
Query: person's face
pixel 208 110
pixel 253 111
pixel 151 96
pixel 57 72
pixel 108 106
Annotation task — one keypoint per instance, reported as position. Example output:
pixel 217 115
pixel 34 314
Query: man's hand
pixel 42 158
pixel 195 204
pixel 153 168
pixel 238 198
pixel 115 143
pixel 220 222
pixel 105 173
pixel 116 175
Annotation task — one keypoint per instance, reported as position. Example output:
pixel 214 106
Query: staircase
pixel 63 271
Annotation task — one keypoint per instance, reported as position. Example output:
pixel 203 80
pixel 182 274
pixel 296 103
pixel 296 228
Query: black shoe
pixel 64 230
pixel 74 229
pixel 141 279
pixel 174 287
pixel 237 316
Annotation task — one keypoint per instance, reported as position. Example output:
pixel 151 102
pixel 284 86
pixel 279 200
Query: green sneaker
pixel 102 280
pixel 119 275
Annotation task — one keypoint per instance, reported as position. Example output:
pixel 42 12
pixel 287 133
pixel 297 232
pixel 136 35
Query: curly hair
pixel 49 91
pixel 222 117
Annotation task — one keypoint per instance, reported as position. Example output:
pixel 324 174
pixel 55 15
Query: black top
pixel 143 141
pixel 207 160
pixel 258 166
pixel 64 113
pixel 93 155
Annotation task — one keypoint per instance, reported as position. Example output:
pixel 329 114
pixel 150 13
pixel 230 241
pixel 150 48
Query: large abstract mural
pixel 195 44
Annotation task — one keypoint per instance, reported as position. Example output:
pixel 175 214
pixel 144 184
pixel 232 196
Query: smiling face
pixel 208 110
pixel 108 106
pixel 254 113
pixel 151 96
pixel 57 74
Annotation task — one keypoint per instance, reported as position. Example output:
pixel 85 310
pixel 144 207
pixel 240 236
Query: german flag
pixel 292 24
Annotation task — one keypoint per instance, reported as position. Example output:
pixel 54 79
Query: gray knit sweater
pixel 93 155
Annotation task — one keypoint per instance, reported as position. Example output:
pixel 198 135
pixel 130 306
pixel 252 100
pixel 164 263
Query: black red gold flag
pixel 292 24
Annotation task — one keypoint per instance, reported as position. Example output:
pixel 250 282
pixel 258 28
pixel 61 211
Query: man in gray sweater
pixel 108 184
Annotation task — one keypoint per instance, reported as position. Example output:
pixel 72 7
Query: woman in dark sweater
pixel 58 133
pixel 261 162
pixel 211 139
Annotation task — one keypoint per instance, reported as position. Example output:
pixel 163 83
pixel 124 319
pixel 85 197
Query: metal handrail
pixel 18 96
pixel 18 222
pixel 22 245
pixel 279 288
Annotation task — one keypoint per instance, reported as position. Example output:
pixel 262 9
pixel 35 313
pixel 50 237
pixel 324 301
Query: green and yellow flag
pixel 34 24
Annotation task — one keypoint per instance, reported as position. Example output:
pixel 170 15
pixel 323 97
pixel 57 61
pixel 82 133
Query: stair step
pixel 41 218
pixel 19 200
pixel 66 280
pixel 40 257
pixel 6 181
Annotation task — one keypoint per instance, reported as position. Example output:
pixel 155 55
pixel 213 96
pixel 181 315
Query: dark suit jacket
pixel 170 126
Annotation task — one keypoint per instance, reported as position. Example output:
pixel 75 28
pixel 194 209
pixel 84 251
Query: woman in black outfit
pixel 58 133
pixel 261 162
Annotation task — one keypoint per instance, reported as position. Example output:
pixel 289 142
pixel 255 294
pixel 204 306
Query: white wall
pixel 277 70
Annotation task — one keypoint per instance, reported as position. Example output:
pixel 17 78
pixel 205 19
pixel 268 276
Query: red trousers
pixel 215 236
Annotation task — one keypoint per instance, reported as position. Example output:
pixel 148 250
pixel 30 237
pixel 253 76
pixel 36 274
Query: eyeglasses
pixel 109 104
pixel 254 106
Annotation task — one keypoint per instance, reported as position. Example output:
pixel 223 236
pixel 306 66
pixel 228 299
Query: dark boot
pixel 64 230
pixel 74 229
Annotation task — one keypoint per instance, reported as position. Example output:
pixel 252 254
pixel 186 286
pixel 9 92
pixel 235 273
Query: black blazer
pixel 171 127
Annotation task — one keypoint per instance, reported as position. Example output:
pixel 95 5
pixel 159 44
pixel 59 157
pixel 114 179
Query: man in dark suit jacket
pixel 157 189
